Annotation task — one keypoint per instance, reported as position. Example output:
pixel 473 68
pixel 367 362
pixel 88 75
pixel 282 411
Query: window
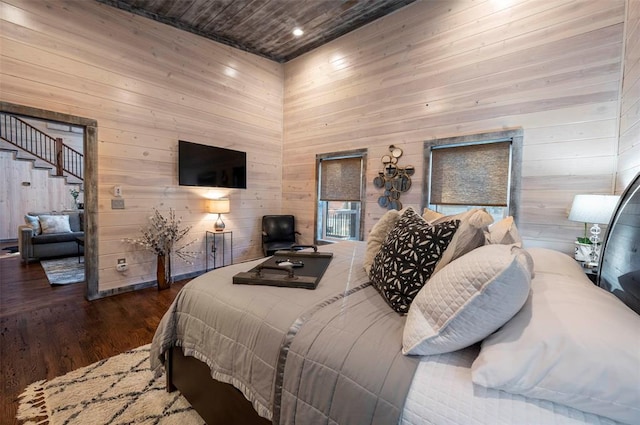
pixel 481 170
pixel 340 196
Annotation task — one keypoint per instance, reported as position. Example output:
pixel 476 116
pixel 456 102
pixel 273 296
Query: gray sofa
pixel 35 245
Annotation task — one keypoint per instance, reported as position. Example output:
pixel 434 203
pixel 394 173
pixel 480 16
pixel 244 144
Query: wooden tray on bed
pixel 289 269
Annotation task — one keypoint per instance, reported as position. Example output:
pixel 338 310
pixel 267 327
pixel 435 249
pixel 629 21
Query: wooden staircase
pixel 30 144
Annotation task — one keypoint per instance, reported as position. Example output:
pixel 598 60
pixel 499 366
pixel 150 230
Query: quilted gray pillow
pixel 468 300
pixel 408 257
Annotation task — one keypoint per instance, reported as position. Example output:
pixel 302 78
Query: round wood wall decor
pixel 393 179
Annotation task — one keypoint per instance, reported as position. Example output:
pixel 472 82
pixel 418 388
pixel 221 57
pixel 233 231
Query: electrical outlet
pixel 122 265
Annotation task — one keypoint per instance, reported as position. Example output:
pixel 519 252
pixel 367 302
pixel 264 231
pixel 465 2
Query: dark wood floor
pixel 48 331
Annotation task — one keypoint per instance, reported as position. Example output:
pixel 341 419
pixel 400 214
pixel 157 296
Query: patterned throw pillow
pixel 54 224
pixel 408 257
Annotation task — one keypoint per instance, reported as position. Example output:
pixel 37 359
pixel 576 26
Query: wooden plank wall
pixel 148 85
pixel 44 193
pixel 629 148
pixel 442 69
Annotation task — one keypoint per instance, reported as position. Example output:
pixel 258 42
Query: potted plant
pixel 74 194
pixel 160 237
pixel 584 248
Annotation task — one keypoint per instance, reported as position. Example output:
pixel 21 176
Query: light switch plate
pixel 117 204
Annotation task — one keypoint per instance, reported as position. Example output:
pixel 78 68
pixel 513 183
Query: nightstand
pixel 591 272
pixel 219 246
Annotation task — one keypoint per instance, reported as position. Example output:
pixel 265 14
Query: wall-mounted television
pixel 211 166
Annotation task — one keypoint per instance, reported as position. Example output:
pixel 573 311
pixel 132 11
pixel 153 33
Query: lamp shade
pixel 593 208
pixel 218 206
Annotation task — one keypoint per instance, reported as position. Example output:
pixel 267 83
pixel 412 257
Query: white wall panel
pixel 442 69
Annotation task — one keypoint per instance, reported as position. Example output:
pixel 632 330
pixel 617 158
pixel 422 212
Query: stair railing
pixel 41 145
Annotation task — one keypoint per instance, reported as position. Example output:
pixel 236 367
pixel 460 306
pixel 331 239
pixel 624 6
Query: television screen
pixel 210 166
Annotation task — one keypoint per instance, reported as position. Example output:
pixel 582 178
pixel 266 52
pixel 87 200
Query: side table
pixel 591 272
pixel 219 246
pixel 80 242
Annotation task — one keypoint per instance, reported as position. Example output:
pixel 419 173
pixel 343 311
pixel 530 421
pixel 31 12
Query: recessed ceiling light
pixel 298 32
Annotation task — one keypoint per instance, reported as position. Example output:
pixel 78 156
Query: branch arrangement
pixel 161 235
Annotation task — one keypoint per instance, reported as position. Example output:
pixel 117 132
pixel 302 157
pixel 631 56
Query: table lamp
pixel 219 206
pixel 596 209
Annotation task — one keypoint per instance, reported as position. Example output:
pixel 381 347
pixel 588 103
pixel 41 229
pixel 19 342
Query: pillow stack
pixel 408 257
pixel 468 300
pixel 404 249
pixel 50 223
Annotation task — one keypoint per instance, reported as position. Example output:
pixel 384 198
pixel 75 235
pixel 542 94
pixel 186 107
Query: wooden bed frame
pixel 216 402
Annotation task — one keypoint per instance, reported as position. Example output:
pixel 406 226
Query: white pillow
pixel 572 343
pixel 54 224
pixel 467 300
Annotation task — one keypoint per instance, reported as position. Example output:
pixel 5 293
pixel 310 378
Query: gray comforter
pixel 329 355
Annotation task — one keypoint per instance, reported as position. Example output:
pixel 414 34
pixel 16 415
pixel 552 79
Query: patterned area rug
pixel 63 271
pixel 118 390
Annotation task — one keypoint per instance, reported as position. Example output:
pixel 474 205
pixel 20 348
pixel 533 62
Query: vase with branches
pixel 160 237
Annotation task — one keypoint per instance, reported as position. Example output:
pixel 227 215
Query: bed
pixel 496 334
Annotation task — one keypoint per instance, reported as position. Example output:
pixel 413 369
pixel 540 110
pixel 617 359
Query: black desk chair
pixel 278 232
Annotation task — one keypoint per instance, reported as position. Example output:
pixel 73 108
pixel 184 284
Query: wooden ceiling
pixel 264 27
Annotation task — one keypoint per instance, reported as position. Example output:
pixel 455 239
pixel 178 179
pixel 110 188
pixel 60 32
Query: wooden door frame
pixel 90 147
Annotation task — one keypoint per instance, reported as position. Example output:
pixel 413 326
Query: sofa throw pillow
pixel 54 224
pixel 34 222
pixel 408 257
pixel 572 343
pixel 469 299
pixel 377 235
pixel 503 232
pixel 469 236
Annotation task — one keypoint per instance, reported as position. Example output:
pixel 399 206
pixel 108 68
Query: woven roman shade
pixel 474 174
pixel 340 179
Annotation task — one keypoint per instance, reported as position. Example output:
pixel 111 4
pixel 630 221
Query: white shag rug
pixel 63 271
pixel 116 391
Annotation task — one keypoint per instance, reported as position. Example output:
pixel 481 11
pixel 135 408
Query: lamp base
pixel 219 224
pixel 595 244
